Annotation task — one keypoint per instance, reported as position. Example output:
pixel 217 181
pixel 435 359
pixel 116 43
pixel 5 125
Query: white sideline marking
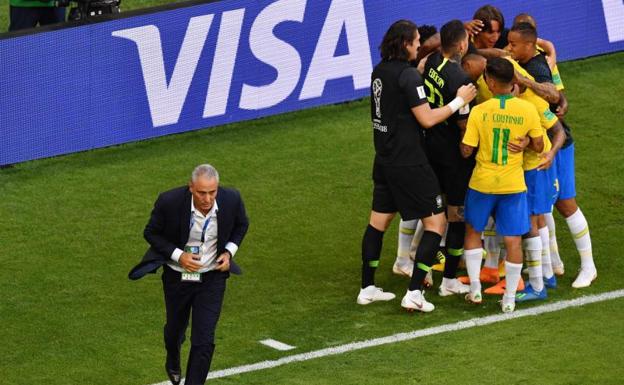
pixel 549 308
pixel 277 345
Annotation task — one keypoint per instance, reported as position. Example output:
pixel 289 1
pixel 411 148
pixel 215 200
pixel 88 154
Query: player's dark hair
pixel 500 69
pixel 425 32
pixel 451 34
pixel 486 14
pixel 471 57
pixel 526 30
pixel 524 18
pixel 393 43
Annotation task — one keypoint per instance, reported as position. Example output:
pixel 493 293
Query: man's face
pixel 488 39
pixel 412 47
pixel 521 50
pixel 204 192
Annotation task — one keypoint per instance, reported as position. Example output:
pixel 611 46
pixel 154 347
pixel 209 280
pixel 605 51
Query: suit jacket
pixel 168 227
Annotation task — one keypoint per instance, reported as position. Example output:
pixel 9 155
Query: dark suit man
pixel 193 232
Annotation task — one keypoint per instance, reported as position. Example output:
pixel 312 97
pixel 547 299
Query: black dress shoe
pixel 175 375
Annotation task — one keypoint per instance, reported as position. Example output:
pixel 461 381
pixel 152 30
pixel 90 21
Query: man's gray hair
pixel 205 170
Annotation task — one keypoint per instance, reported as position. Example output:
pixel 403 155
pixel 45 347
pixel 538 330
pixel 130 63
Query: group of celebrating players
pixel 472 149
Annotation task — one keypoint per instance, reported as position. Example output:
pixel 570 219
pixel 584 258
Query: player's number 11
pixel 496 144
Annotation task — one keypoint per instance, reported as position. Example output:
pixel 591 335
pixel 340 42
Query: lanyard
pixel 206 223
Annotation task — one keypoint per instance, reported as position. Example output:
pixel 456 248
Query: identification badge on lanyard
pixel 191 277
pixel 188 276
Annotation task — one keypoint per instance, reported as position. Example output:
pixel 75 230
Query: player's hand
pixel 421 65
pixel 547 159
pixel 473 27
pixel 518 145
pixel 562 108
pixel 190 262
pixel 223 262
pixel 467 92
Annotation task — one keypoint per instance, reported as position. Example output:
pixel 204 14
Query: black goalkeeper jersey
pixel 442 79
pixel 397 87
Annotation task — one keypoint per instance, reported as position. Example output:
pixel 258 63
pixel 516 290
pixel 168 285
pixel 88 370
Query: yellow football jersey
pixel 484 93
pixel 547 118
pixel 491 125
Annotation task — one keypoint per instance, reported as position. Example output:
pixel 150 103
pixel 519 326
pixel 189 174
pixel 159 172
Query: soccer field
pixel 72 228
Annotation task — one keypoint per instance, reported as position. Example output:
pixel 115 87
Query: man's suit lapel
pixel 185 210
pixel 221 214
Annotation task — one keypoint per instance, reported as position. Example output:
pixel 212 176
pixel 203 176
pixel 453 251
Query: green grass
pixel 126 5
pixel 72 228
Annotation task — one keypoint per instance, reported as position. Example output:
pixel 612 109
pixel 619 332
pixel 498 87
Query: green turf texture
pixel 72 228
pixel 126 5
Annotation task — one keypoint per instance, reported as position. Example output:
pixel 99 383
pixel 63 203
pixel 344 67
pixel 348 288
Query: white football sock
pixel 555 259
pixel 420 230
pixel 580 233
pixel 473 265
pixel 406 234
pixel 547 270
pixel 512 271
pixel 533 258
pixel 443 240
pixel 492 245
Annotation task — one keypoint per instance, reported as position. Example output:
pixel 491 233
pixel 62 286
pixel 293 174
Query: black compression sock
pixel 425 258
pixel 371 249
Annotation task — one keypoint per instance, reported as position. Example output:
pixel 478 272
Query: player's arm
pixel 428 117
pixel 492 52
pixel 430 45
pixel 470 139
pixel 536 143
pixel 518 144
pixel 466 150
pixel 557 140
pixel 546 91
pixel 421 64
pixel 462 127
pixel 562 107
pixel 549 50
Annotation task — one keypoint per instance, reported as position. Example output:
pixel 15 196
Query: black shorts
pixel 413 191
pixel 454 178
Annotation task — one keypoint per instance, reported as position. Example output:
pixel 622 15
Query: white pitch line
pixel 461 325
pixel 277 344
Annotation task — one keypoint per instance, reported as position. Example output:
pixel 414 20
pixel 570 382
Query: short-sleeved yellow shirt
pixel 547 118
pixel 491 125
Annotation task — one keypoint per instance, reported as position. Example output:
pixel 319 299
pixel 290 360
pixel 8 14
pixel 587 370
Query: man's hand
pixel 190 262
pixel 473 27
pixel 520 145
pixel 562 108
pixel 547 159
pixel 467 92
pixel 223 262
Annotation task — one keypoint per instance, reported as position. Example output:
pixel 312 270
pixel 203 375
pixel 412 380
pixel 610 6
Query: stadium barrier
pixel 201 64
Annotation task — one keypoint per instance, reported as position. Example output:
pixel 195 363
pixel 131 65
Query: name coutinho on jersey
pixel 508 119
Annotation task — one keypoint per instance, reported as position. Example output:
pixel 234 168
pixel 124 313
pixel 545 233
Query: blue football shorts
pixel 510 211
